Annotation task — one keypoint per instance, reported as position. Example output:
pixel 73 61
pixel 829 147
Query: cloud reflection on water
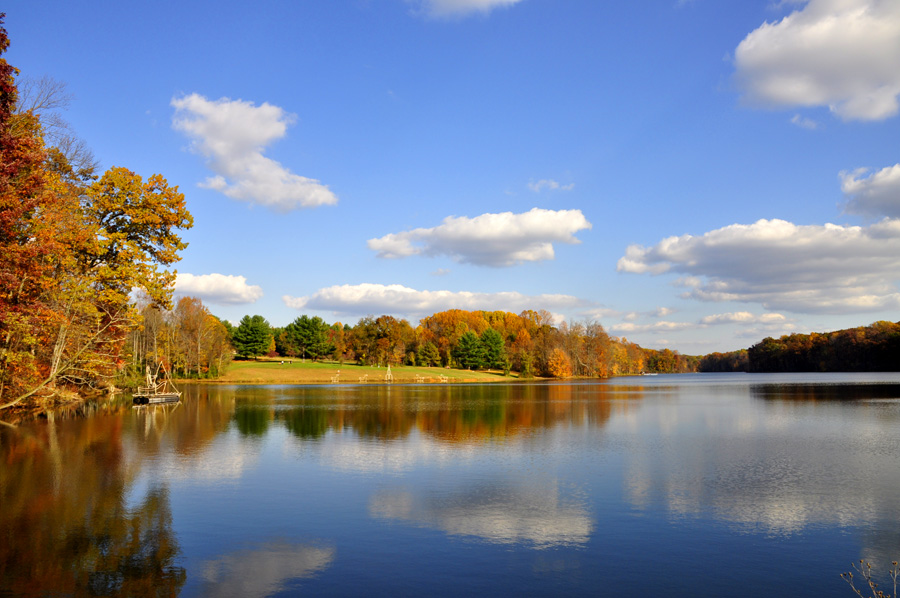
pixel 269 569
pixel 537 516
pixel 792 459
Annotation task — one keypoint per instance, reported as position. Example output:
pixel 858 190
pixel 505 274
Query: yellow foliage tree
pixel 559 364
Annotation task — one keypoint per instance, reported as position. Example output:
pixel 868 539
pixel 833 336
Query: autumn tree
pixel 597 351
pixel 46 98
pixel 559 364
pixel 26 248
pixel 202 340
pixel 133 235
pixel 337 341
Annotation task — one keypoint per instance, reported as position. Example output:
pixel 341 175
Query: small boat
pixel 649 373
pixel 156 392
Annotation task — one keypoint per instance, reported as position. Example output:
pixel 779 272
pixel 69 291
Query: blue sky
pixel 691 174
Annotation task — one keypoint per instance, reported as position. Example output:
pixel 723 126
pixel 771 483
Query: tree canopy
pixel 252 337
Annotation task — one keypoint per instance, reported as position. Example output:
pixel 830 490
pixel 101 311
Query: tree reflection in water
pixel 450 414
pixel 66 529
pixel 77 520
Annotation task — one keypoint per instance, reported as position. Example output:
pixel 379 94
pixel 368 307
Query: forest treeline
pixel 527 343
pixel 872 348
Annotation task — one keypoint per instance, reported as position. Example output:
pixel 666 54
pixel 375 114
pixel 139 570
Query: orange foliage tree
pixel 559 364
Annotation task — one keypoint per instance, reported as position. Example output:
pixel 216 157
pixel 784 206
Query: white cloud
pixel 629 316
pixel 396 299
pixel 660 327
pixel 459 8
pixel 760 324
pixel 742 317
pixel 806 269
pixel 761 331
pixel 550 185
pixel 497 240
pixel 602 313
pixel 217 288
pixel 804 123
pixel 844 54
pixel 232 135
pixel 877 194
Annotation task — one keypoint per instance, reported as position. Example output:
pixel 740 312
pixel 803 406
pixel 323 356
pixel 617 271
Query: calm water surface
pixel 689 485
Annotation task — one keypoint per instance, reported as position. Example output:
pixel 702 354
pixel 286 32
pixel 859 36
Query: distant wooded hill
pixel 872 348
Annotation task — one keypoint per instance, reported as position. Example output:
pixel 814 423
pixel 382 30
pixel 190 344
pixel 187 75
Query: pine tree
pixel 469 353
pixel 252 337
pixel 494 350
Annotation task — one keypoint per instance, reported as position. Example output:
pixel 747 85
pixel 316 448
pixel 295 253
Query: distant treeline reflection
pixel 450 414
pixel 826 392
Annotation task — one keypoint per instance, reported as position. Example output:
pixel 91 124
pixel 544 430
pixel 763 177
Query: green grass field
pixel 295 371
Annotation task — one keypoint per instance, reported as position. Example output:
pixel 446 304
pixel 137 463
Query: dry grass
pixel 273 371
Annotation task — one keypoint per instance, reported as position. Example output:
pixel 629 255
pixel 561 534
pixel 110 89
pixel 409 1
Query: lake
pixel 669 485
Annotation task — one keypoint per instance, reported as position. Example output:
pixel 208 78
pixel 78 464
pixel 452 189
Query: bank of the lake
pixel 297 371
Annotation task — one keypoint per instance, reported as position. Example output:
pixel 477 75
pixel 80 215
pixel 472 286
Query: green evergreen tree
pixel 494 350
pixel 309 337
pixel 469 353
pixel 428 355
pixel 252 337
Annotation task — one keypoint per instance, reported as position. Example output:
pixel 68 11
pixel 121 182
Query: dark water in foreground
pixel 691 485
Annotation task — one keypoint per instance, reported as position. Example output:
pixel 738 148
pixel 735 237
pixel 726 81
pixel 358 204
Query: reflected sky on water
pixel 733 485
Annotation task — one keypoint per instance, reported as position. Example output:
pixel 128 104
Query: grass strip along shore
pixel 297 371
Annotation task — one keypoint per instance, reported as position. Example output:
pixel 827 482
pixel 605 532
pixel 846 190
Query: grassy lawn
pixel 294 371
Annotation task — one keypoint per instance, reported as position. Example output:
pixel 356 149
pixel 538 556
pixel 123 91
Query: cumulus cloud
pixel 758 324
pixel 656 327
pixel 215 288
pixel 396 299
pixel 627 316
pixel 459 8
pixel 602 313
pixel 844 54
pixel 806 269
pixel 496 240
pixel 742 317
pixel 877 194
pixel 550 185
pixel 232 135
